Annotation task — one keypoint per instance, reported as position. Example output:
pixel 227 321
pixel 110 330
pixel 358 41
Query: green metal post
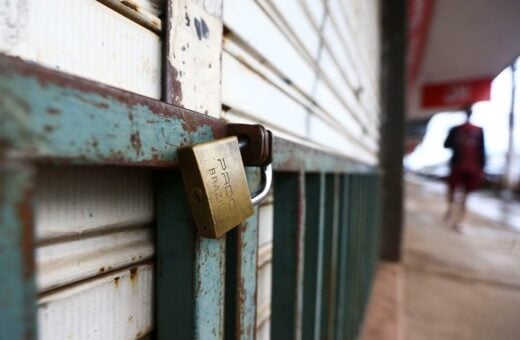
pixel 17 269
pixel 288 224
pixel 314 251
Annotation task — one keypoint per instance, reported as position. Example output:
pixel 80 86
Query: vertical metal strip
pixel 332 302
pixel 241 274
pixel 365 246
pixel 393 103
pixel 241 280
pixel 207 256
pixel 342 259
pixel 352 257
pixel 373 227
pixel 209 287
pixel 370 231
pixel 288 226
pixel 190 269
pixel 17 274
pixel 330 194
pixel 175 251
pixel 360 255
pixel 313 257
pixel 300 251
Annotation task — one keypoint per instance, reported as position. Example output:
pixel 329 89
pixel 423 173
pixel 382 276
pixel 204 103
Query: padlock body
pixel 216 185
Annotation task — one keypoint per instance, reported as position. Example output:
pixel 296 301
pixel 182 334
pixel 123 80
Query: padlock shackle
pixel 265 185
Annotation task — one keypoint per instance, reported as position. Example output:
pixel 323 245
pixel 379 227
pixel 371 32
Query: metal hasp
pixel 256 148
pixel 256 143
pixel 215 179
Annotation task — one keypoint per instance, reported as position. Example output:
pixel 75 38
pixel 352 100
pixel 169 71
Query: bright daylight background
pixel 430 156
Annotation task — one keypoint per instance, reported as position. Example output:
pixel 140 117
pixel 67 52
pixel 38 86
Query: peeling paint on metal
pixel 247 258
pixel 17 284
pixel 148 132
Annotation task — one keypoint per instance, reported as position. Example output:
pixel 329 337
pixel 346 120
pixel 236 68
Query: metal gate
pixel 325 214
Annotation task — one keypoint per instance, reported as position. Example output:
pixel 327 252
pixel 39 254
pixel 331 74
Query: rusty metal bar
pixel 47 115
pixel 241 274
pixel 51 116
pixel 17 275
pixel 208 256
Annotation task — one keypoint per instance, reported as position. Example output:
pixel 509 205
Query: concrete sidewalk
pixel 454 286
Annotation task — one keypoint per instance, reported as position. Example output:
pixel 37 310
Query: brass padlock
pixel 216 185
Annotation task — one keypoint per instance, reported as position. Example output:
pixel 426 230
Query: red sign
pixel 455 94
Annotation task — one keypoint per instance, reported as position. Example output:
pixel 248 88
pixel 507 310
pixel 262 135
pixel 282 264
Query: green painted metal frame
pixel 342 268
pixel 51 117
pixel 331 196
pixel 288 227
pixel 340 253
pixel 241 274
pixel 17 274
pixel 313 255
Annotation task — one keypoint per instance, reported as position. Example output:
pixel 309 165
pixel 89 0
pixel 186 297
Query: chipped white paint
pixel 194 54
pixel 115 306
pixel 84 38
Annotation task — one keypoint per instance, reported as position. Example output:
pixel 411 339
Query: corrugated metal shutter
pixel 309 71
pixel 93 224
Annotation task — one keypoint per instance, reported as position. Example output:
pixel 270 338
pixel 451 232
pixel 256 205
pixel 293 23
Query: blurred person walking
pixel 467 166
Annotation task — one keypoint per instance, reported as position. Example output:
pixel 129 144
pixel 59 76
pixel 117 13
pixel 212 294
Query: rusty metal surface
pixel 199 312
pixel 257 149
pixel 48 115
pixel 241 274
pixel 247 278
pixel 17 284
